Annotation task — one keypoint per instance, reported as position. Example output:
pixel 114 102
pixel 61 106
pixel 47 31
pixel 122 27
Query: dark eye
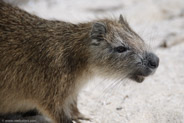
pixel 121 49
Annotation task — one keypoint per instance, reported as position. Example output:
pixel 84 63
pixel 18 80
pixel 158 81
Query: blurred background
pixel 160 98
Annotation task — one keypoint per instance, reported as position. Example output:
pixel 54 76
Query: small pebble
pixel 118 108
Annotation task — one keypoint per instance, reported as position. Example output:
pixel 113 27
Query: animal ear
pixel 98 31
pixel 121 19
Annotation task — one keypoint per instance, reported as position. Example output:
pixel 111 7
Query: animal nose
pixel 153 61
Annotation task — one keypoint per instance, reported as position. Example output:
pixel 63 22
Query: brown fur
pixel 43 64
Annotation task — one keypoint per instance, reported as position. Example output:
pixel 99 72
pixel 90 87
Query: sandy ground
pixel 160 98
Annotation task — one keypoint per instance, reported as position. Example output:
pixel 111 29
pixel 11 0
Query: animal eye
pixel 121 49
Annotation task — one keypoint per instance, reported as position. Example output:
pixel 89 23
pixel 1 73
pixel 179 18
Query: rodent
pixel 45 63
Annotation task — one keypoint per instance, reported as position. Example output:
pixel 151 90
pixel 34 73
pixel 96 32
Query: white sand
pixel 160 98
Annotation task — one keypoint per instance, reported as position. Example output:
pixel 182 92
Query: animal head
pixel 117 50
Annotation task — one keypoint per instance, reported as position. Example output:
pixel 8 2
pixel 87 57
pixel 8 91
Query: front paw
pixel 79 117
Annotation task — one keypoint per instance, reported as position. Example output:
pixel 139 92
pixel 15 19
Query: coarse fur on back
pixel 44 63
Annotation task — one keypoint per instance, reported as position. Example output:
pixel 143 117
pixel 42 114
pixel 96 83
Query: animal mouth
pixel 138 78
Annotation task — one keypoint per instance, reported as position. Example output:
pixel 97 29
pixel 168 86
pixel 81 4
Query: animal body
pixel 45 63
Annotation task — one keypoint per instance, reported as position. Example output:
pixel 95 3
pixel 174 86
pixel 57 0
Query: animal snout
pixel 152 61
